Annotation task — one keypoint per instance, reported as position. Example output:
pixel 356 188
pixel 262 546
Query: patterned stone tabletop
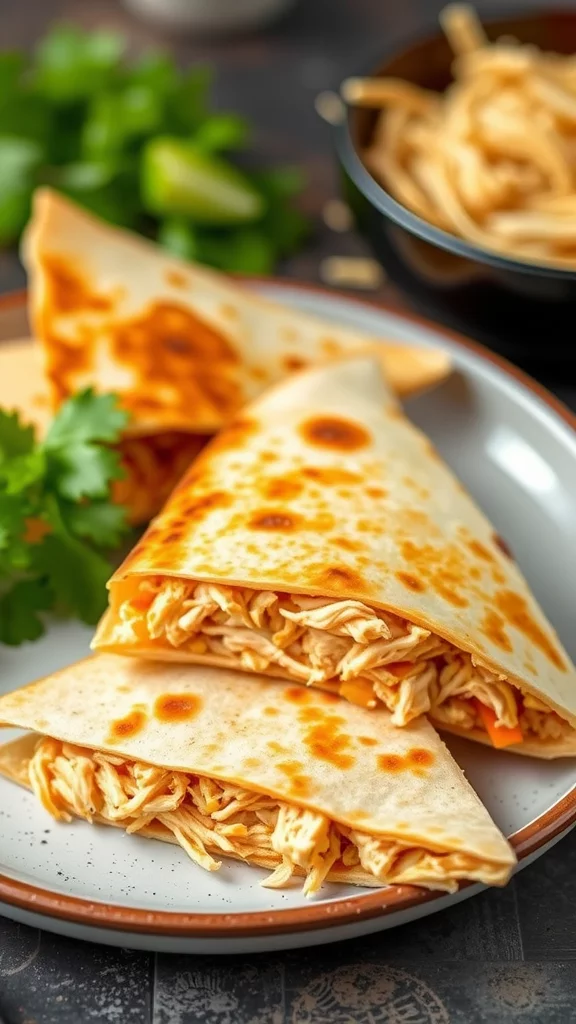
pixel 505 956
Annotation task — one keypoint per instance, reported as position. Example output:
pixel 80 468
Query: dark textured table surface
pixel 504 956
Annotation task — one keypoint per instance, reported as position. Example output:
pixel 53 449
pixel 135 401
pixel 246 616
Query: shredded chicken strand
pixel 208 818
pixel 317 641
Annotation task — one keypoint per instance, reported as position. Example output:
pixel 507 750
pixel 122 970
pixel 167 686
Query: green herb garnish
pixel 57 520
pixel 139 145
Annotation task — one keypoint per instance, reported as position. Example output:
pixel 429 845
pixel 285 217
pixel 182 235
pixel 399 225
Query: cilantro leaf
pixel 14 550
pixel 72 64
pixel 22 472
pixel 56 514
pixel 86 417
pixel 76 573
pixel 19 611
pixel 15 437
pixel 98 521
pixel 83 470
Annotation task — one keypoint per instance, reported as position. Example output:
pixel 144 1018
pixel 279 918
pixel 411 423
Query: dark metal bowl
pixel 524 310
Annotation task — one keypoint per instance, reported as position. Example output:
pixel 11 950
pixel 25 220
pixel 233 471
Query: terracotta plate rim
pixel 340 912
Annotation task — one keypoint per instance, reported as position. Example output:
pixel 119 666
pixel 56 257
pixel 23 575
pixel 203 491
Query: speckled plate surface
pixel 514 447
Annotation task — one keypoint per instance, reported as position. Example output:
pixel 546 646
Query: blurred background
pixel 102 98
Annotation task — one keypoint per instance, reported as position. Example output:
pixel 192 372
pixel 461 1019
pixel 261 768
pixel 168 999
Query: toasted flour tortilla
pixel 332 765
pixel 323 489
pixel 23 386
pixel 182 346
pixel 152 463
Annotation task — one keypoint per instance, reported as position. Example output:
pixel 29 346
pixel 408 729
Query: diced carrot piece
pixel 501 735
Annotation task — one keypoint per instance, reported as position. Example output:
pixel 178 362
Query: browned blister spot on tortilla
pixel 480 550
pixel 270 711
pixel 294 363
pixel 330 347
pixel 69 291
pixel 299 782
pixel 442 568
pixel 368 526
pixel 341 578
pixel 515 610
pixel 314 714
pixel 177 279
pixel 390 762
pixel 282 488
pixel 168 346
pixel 258 373
pixel 251 762
pixel 297 694
pixel 196 508
pixel 274 519
pixel 493 627
pixel 347 544
pixel 419 757
pixel 276 748
pixel 336 433
pixel 268 457
pixel 411 582
pixel 502 545
pixel 367 741
pixel 416 760
pixel 127 727
pixel 326 741
pixel 331 476
pixel 412 517
pixel 177 707
pixel 376 492
pixel 173 537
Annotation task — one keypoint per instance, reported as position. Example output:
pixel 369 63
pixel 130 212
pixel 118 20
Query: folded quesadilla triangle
pixel 279 775
pixel 152 464
pixel 322 538
pixel 183 346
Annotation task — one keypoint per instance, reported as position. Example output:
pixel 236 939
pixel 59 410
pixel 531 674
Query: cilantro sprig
pixel 57 520
pixel 140 145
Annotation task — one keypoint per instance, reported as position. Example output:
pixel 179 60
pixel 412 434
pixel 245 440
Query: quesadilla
pixel 322 539
pixel 182 346
pixel 277 776
pixel 152 464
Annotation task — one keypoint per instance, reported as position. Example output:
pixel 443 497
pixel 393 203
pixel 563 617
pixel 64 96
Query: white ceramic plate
pixel 515 448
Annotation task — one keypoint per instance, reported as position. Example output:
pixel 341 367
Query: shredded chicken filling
pixel 364 654
pixel 208 818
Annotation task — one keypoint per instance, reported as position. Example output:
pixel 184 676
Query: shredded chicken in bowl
pixel 210 818
pixel 363 654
